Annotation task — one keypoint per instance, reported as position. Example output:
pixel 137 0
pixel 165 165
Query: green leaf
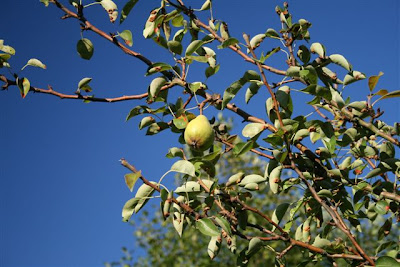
pixel 155 86
pixel 300 134
pixel 136 203
pixel 241 148
pixel 128 209
pixel 274 179
pixel 271 33
pixel 304 54
pixel 193 46
pixel 382 207
pixel 353 77
pixel 36 63
pixel 45 2
pixel 127 37
pixel 252 90
pixel 256 41
pixel 188 187
pixel 157 127
pixel 144 192
pixel 224 224
pixel 293 71
pixel 157 67
pixel 278 213
pixel 127 9
pixel 228 42
pixel 177 21
pixel 84 83
pixel 341 61
pixel 111 8
pixel 234 179
pixel 215 243
pixel 174 152
pixel 24 86
pixel 131 178
pixel 85 48
pixel 318 48
pixel 7 49
pixel 251 75
pixel 269 53
pixel 180 122
pixel 252 129
pixel 210 71
pixel 374 172
pixel 196 86
pixel 175 47
pixel 185 167
pixel 321 242
pixel 207 227
pixel 386 261
pixel 146 121
pixel 373 80
pixel 206 5
pixel 389 95
pixel 254 245
pixel 252 178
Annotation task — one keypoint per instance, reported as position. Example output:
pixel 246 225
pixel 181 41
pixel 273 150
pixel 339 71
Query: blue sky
pixel 62 186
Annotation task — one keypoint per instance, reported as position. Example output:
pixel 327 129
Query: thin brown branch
pixel 275 85
pixel 50 91
pixel 186 207
pixel 256 211
pixel 109 37
pixel 265 82
pixel 337 219
pixel 348 115
pixel 252 150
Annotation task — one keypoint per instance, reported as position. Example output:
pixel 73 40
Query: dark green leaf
pixel 127 9
pixel 85 48
pixel 228 42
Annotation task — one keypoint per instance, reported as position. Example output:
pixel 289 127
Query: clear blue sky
pixel 61 186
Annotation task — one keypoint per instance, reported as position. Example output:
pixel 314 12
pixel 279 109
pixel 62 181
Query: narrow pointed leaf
pixel 127 9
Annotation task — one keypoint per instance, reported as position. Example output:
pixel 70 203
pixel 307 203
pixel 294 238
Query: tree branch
pixel 50 91
pixel 90 26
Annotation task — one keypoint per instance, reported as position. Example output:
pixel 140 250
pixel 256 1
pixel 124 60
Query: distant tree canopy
pixel 319 188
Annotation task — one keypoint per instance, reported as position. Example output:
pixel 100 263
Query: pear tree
pixel 338 165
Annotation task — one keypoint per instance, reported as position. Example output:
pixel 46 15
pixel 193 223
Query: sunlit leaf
pixel 184 166
pixel 131 178
pixel 252 129
pixel 111 8
pixel 373 80
pixel 35 63
pixel 127 37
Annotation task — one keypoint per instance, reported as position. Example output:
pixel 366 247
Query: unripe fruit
pixel 199 134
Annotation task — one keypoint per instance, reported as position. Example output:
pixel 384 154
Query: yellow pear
pixel 199 134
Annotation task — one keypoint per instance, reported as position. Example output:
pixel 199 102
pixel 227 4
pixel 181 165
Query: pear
pixel 199 134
